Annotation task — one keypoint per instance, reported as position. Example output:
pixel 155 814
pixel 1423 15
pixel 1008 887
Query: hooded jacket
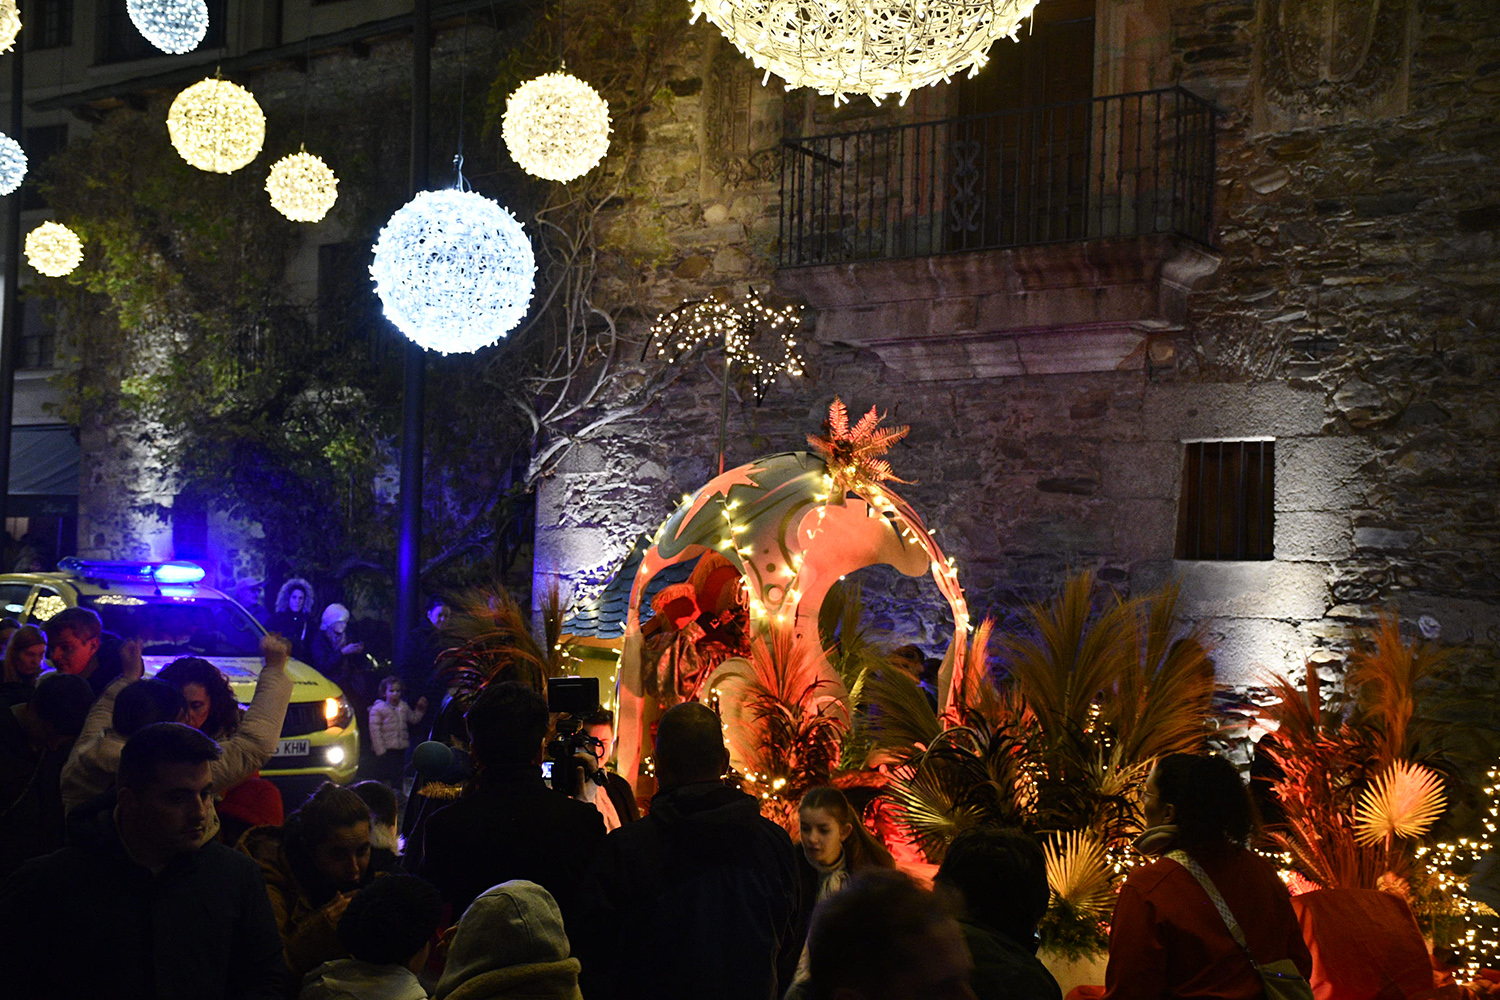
pixel 510 945
pixel 700 899
pixel 294 625
pixel 198 929
pixel 351 979
pixel 308 934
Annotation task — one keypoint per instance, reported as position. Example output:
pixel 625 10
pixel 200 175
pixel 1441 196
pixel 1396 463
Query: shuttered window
pixel 1227 505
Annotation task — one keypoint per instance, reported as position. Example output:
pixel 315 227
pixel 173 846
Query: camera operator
pixel 612 795
pixel 508 824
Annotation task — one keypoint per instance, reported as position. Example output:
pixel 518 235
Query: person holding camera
pixel 508 824
pixel 609 793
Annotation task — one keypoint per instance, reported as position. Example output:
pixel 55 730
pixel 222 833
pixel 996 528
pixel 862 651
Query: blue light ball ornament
pixel 174 26
pixel 12 164
pixel 454 271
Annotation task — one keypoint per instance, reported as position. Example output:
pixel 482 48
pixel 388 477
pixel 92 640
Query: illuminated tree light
pixel 10 24
pixel 174 26
pixel 678 333
pixel 302 187
pixel 454 271
pixel 873 47
pixel 556 127
pixel 54 249
pixel 216 126
pixel 12 164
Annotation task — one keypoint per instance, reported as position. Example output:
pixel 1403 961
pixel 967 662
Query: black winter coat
pixel 700 899
pixel 510 825
pixel 87 921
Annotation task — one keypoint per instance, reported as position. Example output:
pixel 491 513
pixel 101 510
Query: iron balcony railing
pixel 1127 165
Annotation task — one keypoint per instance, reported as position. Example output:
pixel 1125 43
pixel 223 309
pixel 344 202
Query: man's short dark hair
pixel 82 622
pixel 599 717
pixel 507 724
pixel 389 920
pixel 690 745
pixel 869 932
pixel 62 701
pixel 162 743
pixel 1001 874
pixel 379 799
pixel 140 704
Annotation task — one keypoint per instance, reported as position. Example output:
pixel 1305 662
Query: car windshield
pixel 179 627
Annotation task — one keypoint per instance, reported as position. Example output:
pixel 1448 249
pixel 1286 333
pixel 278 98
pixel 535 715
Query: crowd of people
pixel 132 807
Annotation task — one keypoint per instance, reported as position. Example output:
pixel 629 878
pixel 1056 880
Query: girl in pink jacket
pixel 390 735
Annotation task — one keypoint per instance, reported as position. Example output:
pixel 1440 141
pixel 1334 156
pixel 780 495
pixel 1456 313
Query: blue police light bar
pixel 133 572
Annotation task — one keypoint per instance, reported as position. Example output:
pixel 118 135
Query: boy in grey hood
pixel 510 945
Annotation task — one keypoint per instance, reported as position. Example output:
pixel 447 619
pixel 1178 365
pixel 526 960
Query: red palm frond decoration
pixel 853 454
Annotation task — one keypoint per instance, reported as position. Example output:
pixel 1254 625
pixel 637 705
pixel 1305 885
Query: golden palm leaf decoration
pixel 853 454
pixel 1403 802
pixel 1079 875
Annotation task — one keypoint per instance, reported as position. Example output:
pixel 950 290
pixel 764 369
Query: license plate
pixel 292 748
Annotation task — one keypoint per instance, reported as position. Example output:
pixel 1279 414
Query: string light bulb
pixel 454 271
pixel 678 333
pixel 874 47
pixel 12 164
pixel 216 126
pixel 174 26
pixel 302 187
pixel 10 24
pixel 54 249
pixel 556 127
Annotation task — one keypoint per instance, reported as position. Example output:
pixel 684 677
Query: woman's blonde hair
pixel 23 638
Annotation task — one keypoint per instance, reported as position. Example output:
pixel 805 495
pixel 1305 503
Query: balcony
pixel 1041 241
pixel 1128 165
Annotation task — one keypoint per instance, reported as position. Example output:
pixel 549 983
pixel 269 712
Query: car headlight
pixel 336 712
pixel 335 755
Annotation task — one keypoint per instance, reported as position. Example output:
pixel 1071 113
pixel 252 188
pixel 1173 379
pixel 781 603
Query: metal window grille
pixel 1227 505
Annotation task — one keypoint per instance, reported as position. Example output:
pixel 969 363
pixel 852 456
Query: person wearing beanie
pixel 253 802
pixel 510 944
pixel 387 929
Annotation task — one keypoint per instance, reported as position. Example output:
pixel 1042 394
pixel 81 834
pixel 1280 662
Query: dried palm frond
pixel 980 700
pixel 1386 672
pixel 895 716
pixel 1079 875
pixel 489 637
pixel 968 777
pixel 1161 701
pixel 1403 802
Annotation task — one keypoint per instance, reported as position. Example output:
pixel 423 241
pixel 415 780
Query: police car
pixel 166 606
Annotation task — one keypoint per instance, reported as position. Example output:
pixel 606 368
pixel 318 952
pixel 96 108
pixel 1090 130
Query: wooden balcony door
pixel 1021 175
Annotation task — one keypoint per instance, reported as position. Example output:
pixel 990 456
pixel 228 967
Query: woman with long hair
pixel 1168 938
pixel 23 664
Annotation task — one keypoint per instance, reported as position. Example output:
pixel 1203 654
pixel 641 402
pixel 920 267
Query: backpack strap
pixel 1196 870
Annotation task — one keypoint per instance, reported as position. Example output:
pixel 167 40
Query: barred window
pixel 1226 508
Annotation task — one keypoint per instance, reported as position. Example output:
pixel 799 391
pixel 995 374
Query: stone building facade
pixel 1342 308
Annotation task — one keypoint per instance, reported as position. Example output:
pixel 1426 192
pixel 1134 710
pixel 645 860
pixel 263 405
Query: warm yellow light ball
pixel 54 249
pixel 556 127
pixel 302 187
pixel 216 126
pixel 10 24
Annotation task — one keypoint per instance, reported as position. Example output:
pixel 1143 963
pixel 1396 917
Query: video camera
pixel 571 698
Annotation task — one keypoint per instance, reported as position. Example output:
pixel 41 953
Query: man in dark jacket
pixel 172 917
pixel 509 824
pixel 1001 876
pixel 700 896
pixel 77 644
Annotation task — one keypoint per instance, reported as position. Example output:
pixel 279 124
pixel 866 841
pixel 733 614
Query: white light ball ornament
pixel 174 26
pixel 54 249
pixel 302 187
pixel 10 24
pixel 454 271
pixel 12 164
pixel 216 126
pixel 872 47
pixel 556 127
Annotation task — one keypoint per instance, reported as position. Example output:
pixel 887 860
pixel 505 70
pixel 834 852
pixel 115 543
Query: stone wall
pixel 1351 318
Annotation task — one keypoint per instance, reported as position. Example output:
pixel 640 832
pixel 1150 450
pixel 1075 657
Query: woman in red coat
pixel 1167 941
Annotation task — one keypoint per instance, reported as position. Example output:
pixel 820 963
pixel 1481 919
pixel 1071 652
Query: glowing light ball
pixel 454 271
pixel 174 26
pixel 12 164
pixel 54 249
pixel 216 126
pixel 556 127
pixel 302 187
pixel 10 24
pixel 872 47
